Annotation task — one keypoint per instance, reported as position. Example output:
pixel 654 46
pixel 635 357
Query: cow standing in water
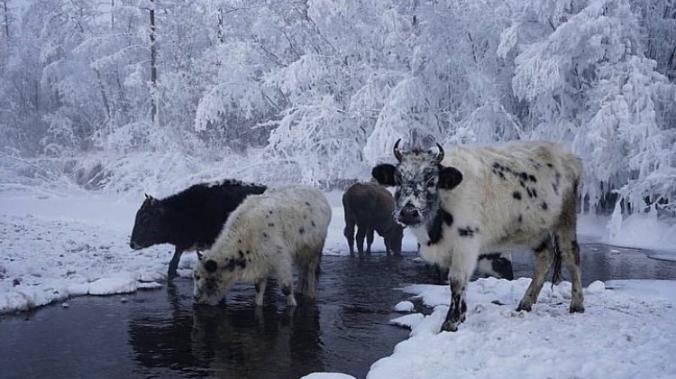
pixel 191 219
pixel 266 236
pixel 482 199
pixel 370 207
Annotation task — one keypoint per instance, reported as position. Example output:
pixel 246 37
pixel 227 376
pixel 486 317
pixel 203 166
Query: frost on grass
pixel 631 323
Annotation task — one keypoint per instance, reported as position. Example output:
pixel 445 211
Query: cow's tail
pixel 556 272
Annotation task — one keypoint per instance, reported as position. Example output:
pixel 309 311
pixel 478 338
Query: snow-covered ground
pixel 627 331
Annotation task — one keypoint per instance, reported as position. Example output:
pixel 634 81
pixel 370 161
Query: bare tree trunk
pixel 221 36
pixel 112 14
pixel 6 14
pixel 153 63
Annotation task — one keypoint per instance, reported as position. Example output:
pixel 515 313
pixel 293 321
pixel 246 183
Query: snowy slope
pixel 626 332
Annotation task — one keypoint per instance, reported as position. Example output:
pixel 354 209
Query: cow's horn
pixel 397 153
pixel 440 154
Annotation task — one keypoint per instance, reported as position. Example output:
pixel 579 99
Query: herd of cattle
pixel 468 210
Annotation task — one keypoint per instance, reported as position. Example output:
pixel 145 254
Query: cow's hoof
pixel 449 326
pixel 524 307
pixel 577 308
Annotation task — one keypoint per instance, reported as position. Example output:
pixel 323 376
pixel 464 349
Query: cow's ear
pixel 449 178
pixel 384 174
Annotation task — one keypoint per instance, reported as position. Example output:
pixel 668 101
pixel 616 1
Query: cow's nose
pixel 408 215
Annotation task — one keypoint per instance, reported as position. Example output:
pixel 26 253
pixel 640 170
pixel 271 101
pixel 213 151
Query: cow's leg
pixel 543 255
pixel 461 269
pixel 570 251
pixel 173 264
pixel 369 239
pixel 311 278
pixel 458 307
pixel 348 232
pixel 361 234
pixel 285 279
pixel 261 283
pixel 388 251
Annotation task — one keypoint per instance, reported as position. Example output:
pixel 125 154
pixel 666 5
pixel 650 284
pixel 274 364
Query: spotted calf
pixel 266 236
pixel 477 201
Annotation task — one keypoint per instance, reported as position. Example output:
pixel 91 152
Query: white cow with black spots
pixel 266 236
pixel 477 200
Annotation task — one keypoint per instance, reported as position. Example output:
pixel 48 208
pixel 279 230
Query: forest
pixel 157 94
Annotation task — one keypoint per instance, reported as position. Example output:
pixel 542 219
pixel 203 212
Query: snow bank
pixel 57 246
pixel 631 324
pixel 327 375
pixel 642 230
pixel 404 306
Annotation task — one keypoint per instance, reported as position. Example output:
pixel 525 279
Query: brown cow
pixel 370 207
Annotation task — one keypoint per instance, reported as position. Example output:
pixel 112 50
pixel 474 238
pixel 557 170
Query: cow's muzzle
pixel 409 215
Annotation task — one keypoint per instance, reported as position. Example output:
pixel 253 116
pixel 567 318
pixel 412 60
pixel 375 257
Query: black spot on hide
pixel 467 231
pixel 435 230
pixel 544 206
pixel 301 230
pixel 241 254
pixel 313 224
pixel 286 290
pixel 211 265
pixel 271 224
pixel 520 219
pixel 516 195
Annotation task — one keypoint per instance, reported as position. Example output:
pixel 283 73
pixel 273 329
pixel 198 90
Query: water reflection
pixel 239 340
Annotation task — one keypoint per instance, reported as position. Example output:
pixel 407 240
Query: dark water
pixel 158 334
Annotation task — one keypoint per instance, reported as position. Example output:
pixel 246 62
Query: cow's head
pixel 418 177
pixel 148 227
pixel 212 279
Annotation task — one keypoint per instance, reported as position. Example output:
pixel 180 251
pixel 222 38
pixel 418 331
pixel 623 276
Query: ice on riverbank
pixel 631 324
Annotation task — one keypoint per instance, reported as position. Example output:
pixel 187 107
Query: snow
pixel 56 246
pixel 327 375
pixel 630 322
pixel 641 230
pixel 404 306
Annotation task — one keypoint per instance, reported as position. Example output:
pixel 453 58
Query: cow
pixel 265 236
pixel 190 219
pixel 370 206
pixel 483 199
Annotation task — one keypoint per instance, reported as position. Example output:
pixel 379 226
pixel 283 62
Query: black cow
pixel 191 219
pixel 370 207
